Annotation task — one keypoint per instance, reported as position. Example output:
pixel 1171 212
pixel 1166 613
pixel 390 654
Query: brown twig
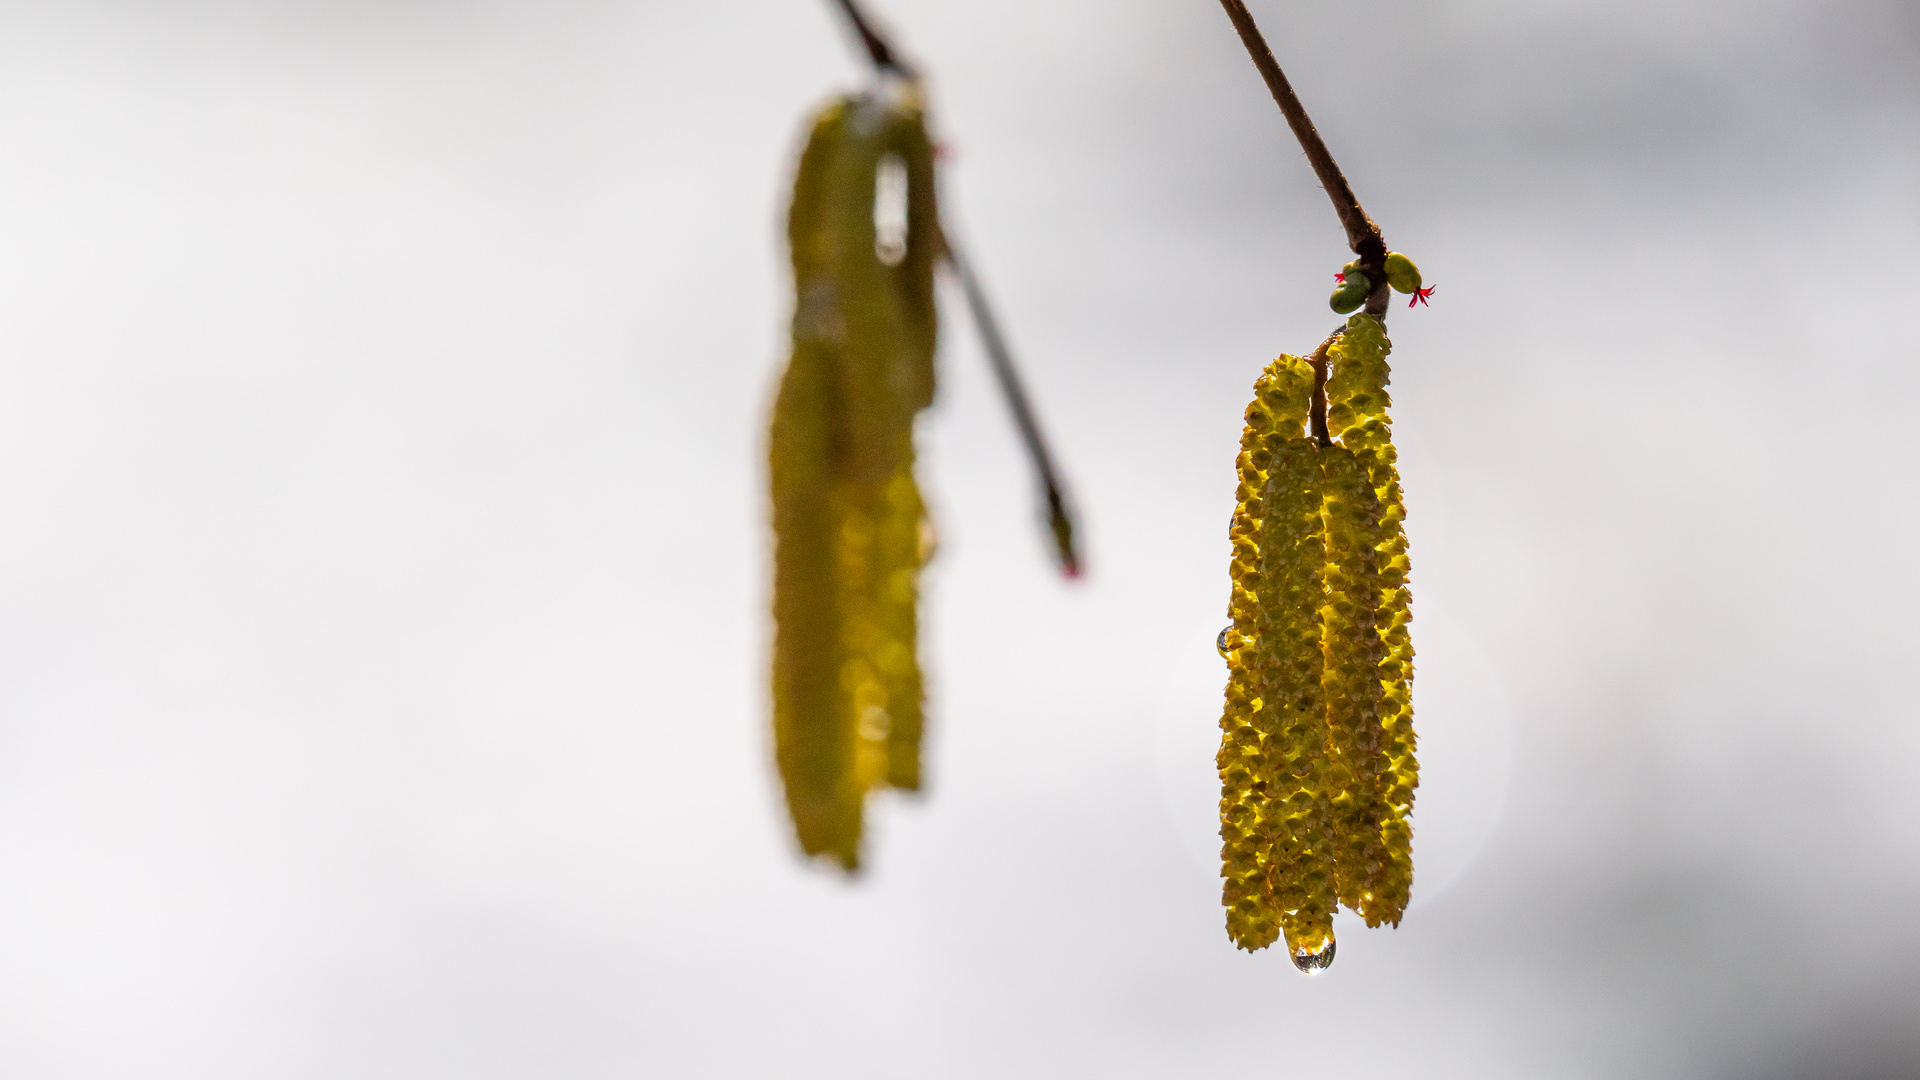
pixel 879 50
pixel 1059 510
pixel 1318 415
pixel 1059 517
pixel 1363 236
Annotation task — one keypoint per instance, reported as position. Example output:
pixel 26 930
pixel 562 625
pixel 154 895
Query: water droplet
pixel 1313 963
pixel 890 210
pixel 1221 641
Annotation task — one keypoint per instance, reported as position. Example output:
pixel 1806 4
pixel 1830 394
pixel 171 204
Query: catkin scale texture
pixel 1357 402
pixel 1243 829
pixel 847 514
pixel 1353 653
pixel 1251 754
pixel 1293 707
pixel 1317 755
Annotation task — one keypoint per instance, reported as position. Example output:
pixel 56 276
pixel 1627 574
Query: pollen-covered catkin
pixel 1353 652
pixel 813 746
pixel 846 512
pixel 1292 716
pixel 1275 418
pixel 896 654
pixel 1357 403
pixel 1317 761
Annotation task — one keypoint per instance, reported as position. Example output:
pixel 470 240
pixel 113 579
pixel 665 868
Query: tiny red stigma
pixel 1420 297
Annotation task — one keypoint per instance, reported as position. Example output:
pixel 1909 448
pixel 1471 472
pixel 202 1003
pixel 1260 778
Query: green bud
pixel 1352 292
pixel 1402 274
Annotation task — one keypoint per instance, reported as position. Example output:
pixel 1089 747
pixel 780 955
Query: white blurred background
pixel 383 570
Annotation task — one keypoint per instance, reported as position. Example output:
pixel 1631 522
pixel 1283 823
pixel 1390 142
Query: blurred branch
pixel 879 50
pixel 1363 236
pixel 1059 519
pixel 1059 515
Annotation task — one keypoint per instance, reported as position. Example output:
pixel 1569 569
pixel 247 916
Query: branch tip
pixel 1363 235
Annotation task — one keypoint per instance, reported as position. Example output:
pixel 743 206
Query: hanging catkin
pixel 1357 402
pixel 847 514
pixel 1317 755
pixel 1293 692
pixel 1275 590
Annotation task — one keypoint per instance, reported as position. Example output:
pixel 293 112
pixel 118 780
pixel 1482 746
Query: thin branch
pixel 1363 236
pixel 1059 519
pixel 1318 415
pixel 1059 513
pixel 879 50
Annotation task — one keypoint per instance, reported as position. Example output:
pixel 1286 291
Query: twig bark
pixel 1059 517
pixel 1363 236
pixel 1317 417
pixel 879 50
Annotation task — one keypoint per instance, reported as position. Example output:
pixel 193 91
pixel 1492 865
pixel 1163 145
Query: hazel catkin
pixel 1357 402
pixel 1249 760
pixel 1353 654
pixel 847 514
pixel 1317 755
pixel 1293 699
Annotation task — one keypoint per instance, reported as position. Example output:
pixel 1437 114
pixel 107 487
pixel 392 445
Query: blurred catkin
pixel 1316 760
pixel 847 515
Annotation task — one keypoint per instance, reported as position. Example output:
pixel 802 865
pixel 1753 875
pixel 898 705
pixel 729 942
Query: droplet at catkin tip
pixel 1315 961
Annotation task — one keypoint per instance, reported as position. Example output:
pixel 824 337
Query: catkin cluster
pixel 1316 757
pixel 849 526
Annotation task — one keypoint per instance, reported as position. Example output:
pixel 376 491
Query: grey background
pixel 383 575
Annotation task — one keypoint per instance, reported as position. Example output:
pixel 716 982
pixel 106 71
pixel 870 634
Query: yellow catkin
pixel 1357 413
pixel 847 514
pixel 1274 420
pixel 1316 759
pixel 896 653
pixel 1351 645
pixel 1292 714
